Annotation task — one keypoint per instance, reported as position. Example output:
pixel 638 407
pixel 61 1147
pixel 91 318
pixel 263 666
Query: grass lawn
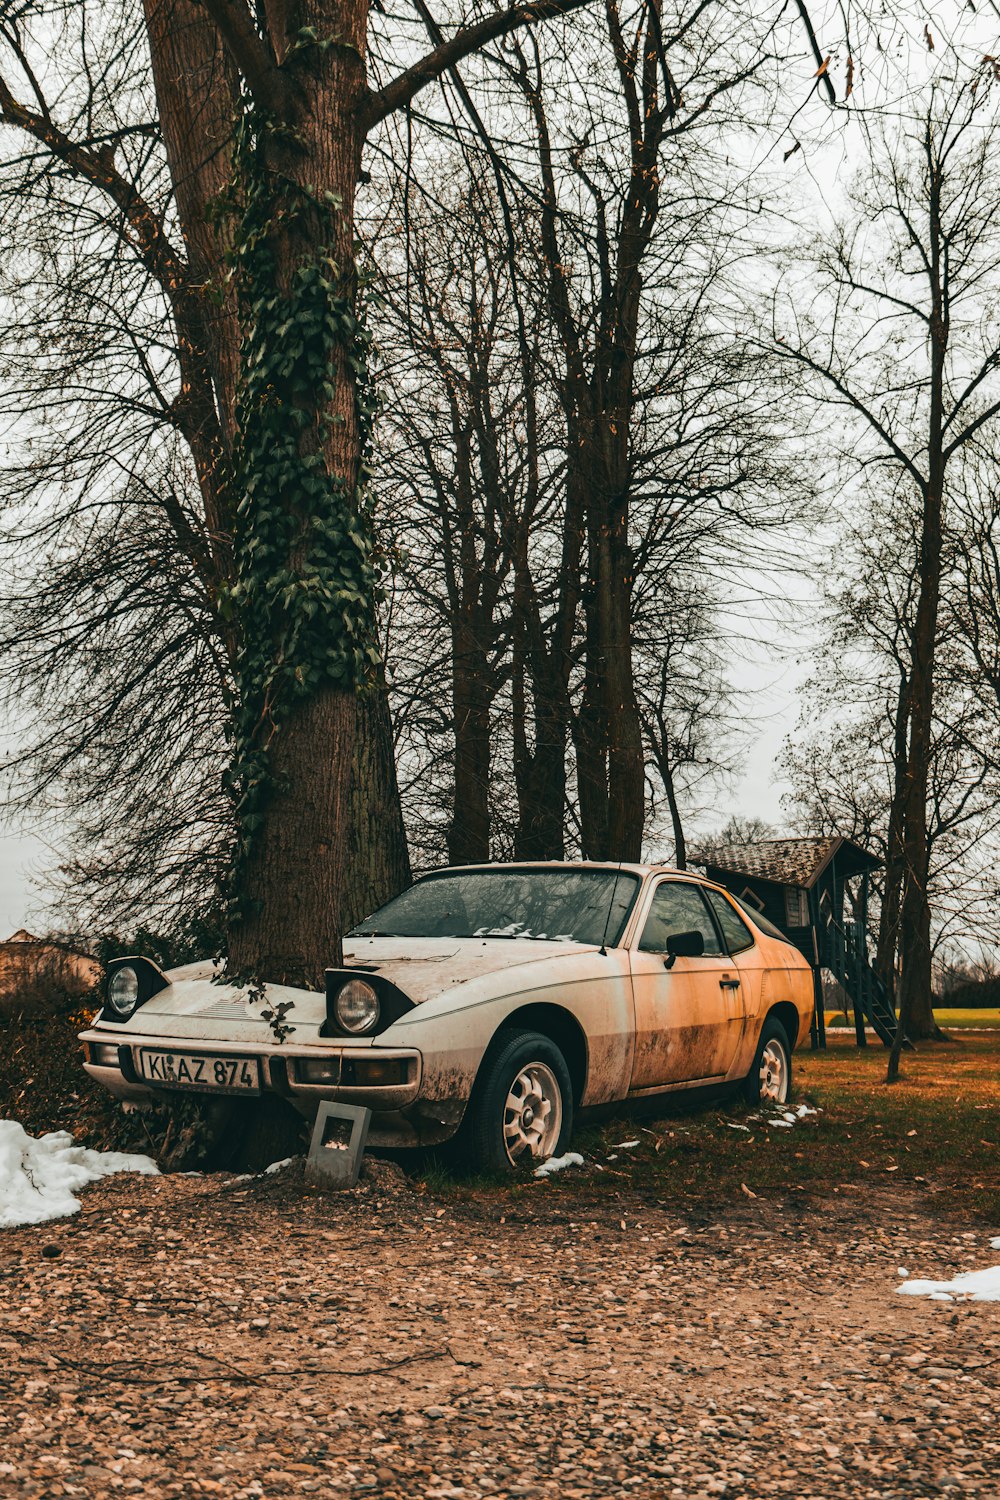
pixel 974 1018
pixel 936 1130
pixel 978 1019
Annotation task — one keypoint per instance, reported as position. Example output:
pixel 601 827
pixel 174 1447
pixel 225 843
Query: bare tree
pixel 902 340
pixel 510 457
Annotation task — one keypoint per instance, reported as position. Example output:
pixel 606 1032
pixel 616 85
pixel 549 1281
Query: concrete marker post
pixel 337 1145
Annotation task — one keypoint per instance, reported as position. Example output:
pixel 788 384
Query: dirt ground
pixel 204 1335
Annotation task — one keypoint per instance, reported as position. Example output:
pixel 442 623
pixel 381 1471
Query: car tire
pixel 769 1080
pixel 522 1108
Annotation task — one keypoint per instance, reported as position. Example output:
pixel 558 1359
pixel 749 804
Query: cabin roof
pixel 798 862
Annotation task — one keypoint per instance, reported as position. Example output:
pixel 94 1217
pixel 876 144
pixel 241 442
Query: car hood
pixel 424 968
pixel 194 1005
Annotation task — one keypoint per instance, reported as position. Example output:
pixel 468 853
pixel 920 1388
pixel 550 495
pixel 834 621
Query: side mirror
pixel 689 944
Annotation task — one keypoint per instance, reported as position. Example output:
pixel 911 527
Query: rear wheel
pixel 522 1110
pixel 769 1081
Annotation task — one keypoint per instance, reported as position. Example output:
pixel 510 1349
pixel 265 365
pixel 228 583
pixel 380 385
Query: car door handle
pixel 729 984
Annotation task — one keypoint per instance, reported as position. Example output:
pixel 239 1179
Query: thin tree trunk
pixel 378 867
pixel 680 843
pixel 469 832
pixel 888 929
pixel 590 744
pixel 626 759
pixel 916 1014
pixel 539 774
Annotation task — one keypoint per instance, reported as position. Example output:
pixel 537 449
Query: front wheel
pixel 522 1110
pixel 769 1081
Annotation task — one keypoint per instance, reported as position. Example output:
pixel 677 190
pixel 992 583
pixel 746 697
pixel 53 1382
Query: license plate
pixel 198 1070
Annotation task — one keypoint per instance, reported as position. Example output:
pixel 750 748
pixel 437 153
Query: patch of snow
pixel 788 1117
pixel 278 1166
pixel 733 1126
pixel 977 1286
pixel 627 1145
pixel 559 1163
pixel 39 1177
pixel 902 1271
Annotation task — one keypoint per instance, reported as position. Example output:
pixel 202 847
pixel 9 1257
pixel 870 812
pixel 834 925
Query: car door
pixel 688 1011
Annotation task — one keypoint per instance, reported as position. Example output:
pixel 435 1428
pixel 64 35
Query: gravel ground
pixel 210 1336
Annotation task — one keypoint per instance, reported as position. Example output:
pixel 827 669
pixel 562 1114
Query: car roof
pixel 614 866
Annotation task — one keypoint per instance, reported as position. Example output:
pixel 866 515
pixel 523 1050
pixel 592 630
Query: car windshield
pixel 568 906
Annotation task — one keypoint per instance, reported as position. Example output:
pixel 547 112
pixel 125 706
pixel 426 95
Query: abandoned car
pixel 489 1003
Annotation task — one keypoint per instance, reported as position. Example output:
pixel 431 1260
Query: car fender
pixel 454 1031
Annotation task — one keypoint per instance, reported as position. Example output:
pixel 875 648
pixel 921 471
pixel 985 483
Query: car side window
pixel 735 931
pixel 677 907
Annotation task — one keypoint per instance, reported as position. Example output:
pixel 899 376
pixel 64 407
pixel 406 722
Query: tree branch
pixel 468 39
pixel 850 398
pixel 972 428
pixel 237 30
pixel 823 75
pixel 150 242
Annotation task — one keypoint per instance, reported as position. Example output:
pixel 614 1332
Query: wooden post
pixel 818 1028
pixel 861 996
pixel 819 1017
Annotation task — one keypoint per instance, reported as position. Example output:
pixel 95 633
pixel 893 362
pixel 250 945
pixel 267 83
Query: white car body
pixel 628 1025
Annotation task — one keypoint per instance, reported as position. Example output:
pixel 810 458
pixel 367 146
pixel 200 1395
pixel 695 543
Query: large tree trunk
pixel 292 883
pixel 298 901
pixel 473 581
pixel 197 89
pixel 608 730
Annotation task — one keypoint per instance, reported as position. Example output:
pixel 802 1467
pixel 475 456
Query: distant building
pixel 32 963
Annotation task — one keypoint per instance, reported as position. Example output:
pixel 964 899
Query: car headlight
pixel 123 991
pixel 356 1007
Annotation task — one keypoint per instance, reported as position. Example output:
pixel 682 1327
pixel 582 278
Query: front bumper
pixel 351 1074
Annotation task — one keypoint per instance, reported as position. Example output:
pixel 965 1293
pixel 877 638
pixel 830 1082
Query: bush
pixel 42 1082
pixel 971 994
